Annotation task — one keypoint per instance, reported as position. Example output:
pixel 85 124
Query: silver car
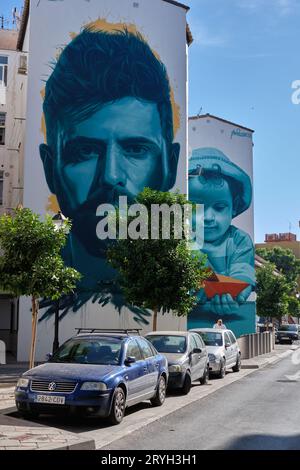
pixel 223 350
pixel 187 357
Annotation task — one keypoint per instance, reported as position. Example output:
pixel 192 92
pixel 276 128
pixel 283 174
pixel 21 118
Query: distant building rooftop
pixel 208 116
pixel 8 39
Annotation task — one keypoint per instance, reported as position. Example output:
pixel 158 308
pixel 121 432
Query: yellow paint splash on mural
pixel 52 205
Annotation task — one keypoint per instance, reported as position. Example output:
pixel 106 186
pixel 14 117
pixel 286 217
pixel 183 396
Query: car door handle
pixel 157 365
pixel 145 369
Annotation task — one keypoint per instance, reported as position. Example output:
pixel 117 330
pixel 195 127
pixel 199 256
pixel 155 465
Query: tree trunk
pixel 34 304
pixel 155 312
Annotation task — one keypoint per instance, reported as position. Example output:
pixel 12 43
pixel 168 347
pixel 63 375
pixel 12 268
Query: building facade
pixel 107 81
pixel 13 83
pixel 221 178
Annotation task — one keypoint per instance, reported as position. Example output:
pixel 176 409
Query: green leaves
pixel 272 293
pixel 30 256
pixel 277 294
pixel 158 274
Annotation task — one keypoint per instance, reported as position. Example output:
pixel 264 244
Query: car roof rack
pixel 109 330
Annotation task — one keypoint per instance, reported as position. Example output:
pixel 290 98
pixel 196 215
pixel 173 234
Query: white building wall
pixel 236 142
pixel 13 103
pixel 164 25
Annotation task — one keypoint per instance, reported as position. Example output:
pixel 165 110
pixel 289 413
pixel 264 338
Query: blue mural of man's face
pixel 117 150
pixel 218 206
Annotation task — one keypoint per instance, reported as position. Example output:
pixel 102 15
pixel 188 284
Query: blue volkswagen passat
pixel 97 372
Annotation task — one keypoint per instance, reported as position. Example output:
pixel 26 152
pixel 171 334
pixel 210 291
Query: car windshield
pixel 90 351
pixel 211 338
pixel 168 344
pixel 288 328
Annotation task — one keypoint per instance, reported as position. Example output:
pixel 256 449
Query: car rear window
pixel 211 338
pixel 168 344
pixel 288 328
pixel 90 351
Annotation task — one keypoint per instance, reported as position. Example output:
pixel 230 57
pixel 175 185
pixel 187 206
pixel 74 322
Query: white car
pixel 223 350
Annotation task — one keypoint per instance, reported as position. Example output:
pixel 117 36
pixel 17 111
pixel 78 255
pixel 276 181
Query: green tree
pixel 159 274
pixel 272 293
pixel 294 306
pixel 31 262
pixel 285 262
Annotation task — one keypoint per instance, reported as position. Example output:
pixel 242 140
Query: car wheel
pixel 222 372
pixel 238 364
pixel 118 406
pixel 160 395
pixel 187 384
pixel 205 376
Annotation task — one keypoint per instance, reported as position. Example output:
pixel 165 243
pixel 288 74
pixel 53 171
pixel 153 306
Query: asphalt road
pixel 261 412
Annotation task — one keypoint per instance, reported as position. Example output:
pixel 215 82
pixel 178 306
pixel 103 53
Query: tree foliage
pixel 272 293
pixel 284 260
pixel 163 274
pixel 31 262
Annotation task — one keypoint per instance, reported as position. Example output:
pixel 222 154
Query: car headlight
pixel 23 383
pixel 212 358
pixel 96 386
pixel 175 368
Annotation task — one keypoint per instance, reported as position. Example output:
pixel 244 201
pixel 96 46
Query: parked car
pixel 223 350
pixel 97 372
pixel 287 333
pixel 187 357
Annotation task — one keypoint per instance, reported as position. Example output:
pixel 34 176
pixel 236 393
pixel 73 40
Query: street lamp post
pixel 59 221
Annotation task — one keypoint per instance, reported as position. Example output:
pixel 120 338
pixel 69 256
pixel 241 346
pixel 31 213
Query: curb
pixel 269 360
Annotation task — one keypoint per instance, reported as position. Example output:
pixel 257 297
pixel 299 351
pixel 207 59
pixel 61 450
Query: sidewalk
pixel 18 434
pixel 280 352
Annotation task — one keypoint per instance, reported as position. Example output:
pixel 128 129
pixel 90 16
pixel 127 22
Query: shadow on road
pixel 265 442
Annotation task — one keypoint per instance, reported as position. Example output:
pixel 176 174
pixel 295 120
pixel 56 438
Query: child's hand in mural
pixel 243 296
pixel 223 305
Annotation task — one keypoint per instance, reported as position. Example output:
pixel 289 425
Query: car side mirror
pixel 130 360
pixel 49 357
pixel 197 351
pixel 227 345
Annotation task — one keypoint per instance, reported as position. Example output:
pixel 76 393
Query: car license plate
pixel 55 400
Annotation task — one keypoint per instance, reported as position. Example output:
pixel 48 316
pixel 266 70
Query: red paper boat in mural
pixel 217 284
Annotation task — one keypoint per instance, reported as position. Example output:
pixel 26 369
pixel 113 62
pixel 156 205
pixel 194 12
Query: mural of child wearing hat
pixel 226 192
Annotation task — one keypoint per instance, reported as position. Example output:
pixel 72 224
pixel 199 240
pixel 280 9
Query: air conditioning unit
pixel 23 64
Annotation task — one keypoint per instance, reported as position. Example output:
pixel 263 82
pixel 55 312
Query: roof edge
pixel 177 4
pixel 25 17
pixel 201 116
pixel 23 26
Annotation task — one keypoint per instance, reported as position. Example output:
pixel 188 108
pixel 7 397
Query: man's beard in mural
pixel 85 220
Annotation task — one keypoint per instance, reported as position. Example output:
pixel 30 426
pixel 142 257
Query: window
pixel 232 337
pixel 193 344
pixel 23 64
pixel 168 344
pixel 146 350
pixel 227 339
pixel 2 128
pixel 199 343
pixel 3 70
pixel 134 351
pixel 1 187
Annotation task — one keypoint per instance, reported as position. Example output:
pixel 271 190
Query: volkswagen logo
pixel 52 387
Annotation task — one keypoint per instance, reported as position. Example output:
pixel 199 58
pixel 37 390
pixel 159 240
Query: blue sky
pixel 243 61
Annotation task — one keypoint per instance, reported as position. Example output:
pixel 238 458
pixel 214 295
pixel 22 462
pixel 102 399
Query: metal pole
pixel 56 323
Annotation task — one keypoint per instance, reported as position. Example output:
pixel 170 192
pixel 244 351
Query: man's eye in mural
pixel 139 148
pixel 80 150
